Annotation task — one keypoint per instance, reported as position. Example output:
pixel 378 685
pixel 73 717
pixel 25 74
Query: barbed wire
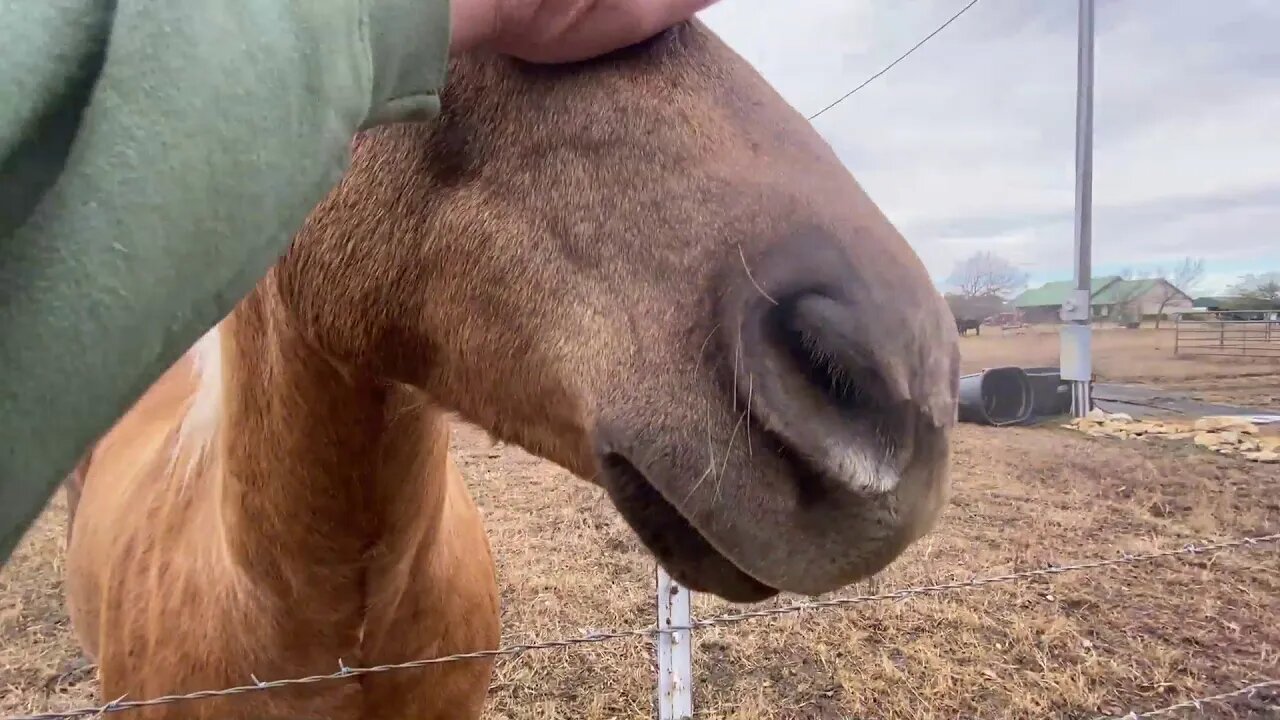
pixel 1198 703
pixel 345 672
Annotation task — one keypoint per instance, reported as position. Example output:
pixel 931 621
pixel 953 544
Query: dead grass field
pixel 1142 356
pixel 1102 642
pixel 1136 637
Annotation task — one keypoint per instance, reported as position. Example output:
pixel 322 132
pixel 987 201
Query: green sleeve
pixel 156 157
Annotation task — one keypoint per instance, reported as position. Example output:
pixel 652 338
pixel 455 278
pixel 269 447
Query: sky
pixel 969 144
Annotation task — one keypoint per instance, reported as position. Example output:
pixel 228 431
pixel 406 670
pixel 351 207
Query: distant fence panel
pixel 1239 334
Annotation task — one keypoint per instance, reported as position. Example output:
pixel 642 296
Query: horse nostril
pixel 829 373
pixel 834 400
pixel 815 333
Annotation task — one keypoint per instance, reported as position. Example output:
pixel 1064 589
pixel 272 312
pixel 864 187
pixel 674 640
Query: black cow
pixel 964 326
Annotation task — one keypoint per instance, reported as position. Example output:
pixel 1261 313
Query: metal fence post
pixel 675 650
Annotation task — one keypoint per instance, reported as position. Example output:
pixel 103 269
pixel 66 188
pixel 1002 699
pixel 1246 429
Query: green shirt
pixel 156 157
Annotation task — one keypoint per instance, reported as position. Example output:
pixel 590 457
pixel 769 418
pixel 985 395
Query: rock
pixel 1224 435
pixel 1209 440
pixel 1223 422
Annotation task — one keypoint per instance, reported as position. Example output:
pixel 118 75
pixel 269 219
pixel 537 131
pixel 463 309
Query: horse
pixel 646 268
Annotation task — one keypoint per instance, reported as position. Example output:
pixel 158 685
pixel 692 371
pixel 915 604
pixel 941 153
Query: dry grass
pixel 1135 637
pixel 1135 356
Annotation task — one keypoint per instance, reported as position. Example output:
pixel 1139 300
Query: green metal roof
pixel 1055 293
pixel 1230 302
pixel 1121 291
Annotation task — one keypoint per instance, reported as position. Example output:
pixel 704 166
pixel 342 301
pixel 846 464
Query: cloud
pixel 969 143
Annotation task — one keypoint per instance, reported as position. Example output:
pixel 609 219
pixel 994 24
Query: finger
pixel 601 26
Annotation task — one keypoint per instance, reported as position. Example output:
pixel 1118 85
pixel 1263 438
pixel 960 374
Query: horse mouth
pixel 683 551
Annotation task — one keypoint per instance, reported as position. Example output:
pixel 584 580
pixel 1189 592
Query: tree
pixel 985 274
pixel 1263 288
pixel 974 308
pixel 1183 279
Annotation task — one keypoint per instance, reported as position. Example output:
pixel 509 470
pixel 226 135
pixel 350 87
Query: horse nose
pixel 829 364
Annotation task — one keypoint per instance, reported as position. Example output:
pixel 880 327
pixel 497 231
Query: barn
pixel 1113 299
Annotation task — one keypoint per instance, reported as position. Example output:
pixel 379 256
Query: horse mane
pixel 199 423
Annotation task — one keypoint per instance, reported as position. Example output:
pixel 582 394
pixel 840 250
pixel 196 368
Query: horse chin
pixel 683 551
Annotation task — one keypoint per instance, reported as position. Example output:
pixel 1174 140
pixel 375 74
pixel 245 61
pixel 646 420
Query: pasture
pixel 1134 637
pixel 1135 356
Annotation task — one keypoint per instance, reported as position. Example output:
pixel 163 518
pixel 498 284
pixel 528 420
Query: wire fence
pixel 1198 704
pixel 511 651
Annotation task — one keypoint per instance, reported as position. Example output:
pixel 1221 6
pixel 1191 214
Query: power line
pixel 901 57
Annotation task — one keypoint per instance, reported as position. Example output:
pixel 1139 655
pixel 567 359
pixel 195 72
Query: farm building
pixel 1231 302
pixel 1218 302
pixel 1138 299
pixel 1232 308
pixel 1113 298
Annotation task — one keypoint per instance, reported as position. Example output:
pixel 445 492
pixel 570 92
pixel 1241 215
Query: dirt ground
pixel 1141 356
pixel 1136 637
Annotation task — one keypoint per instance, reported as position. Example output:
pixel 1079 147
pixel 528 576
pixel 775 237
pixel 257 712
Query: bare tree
pixel 985 274
pixel 1263 288
pixel 971 311
pixel 1183 279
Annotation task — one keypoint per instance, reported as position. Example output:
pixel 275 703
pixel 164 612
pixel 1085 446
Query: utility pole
pixel 1076 355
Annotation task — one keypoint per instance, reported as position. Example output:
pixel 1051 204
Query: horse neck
pixel 319 465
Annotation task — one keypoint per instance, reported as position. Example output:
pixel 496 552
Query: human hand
pixel 556 31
